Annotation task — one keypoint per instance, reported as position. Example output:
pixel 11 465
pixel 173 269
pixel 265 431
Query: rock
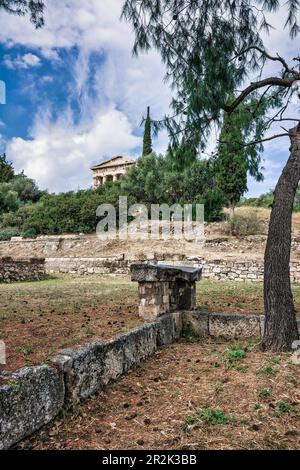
pixel 32 398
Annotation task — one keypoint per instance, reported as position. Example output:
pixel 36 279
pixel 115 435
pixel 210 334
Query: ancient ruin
pixel 164 289
pixel 111 170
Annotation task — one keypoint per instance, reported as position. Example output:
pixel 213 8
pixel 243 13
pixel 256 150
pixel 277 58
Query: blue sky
pixel 75 94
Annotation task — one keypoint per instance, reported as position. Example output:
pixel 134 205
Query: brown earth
pixel 39 318
pixel 189 396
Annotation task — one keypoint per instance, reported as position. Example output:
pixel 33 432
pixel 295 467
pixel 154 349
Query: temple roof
pixel 114 162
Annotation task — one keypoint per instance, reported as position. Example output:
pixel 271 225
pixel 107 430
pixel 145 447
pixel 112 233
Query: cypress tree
pixel 147 141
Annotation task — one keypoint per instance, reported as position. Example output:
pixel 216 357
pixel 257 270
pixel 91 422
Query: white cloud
pixel 58 154
pixel 24 62
pixel 95 25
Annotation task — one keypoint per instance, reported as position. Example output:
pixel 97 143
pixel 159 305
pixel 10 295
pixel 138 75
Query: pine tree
pixel 211 49
pixel 147 141
pixel 33 8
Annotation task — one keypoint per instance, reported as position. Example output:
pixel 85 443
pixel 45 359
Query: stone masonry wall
pixel 33 396
pixel 251 271
pixel 14 270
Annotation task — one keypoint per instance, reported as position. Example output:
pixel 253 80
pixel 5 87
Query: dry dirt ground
pixel 190 395
pixel 39 318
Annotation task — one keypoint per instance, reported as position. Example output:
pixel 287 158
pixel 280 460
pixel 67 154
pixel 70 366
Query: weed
pixel 209 416
pixel 235 353
pixel 218 387
pixel 284 407
pixel 14 385
pixel 264 393
pixel 26 351
pixel 267 371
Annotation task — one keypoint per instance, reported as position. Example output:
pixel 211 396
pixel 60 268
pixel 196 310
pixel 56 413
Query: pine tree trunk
pixel 280 325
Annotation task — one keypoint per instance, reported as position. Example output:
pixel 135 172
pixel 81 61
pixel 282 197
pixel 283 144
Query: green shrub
pixel 18 218
pixel 243 225
pixel 8 233
pixel 29 233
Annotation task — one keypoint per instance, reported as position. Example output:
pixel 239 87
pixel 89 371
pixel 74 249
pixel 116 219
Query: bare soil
pixel 37 319
pixel 189 396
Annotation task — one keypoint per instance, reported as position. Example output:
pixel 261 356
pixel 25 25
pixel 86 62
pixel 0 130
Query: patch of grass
pixel 209 416
pixel 26 351
pixel 235 353
pixel 14 385
pixel 275 361
pixel 268 370
pixel 285 407
pixel 218 387
pixel 264 393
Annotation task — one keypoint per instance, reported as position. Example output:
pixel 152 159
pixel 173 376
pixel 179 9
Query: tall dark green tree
pixel 33 8
pixel 147 140
pixel 211 49
pixel 231 175
pixel 234 162
pixel 6 169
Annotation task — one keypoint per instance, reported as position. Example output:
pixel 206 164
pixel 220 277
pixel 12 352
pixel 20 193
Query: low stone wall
pixel 33 396
pixel 251 271
pixel 14 270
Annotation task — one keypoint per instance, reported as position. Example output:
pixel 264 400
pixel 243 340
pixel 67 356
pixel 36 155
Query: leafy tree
pixel 210 49
pixel 264 200
pixel 8 199
pixel 6 169
pixel 157 180
pixel 147 140
pixel 144 180
pixel 33 8
pixel 26 188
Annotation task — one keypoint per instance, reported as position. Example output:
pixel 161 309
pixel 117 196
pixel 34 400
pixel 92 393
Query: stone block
pixel 89 368
pixel 154 273
pixel 234 326
pixel 196 323
pixel 32 397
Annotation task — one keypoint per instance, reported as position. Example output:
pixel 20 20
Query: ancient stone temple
pixel 111 170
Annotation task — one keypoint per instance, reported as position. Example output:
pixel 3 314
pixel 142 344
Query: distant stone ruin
pixel 16 270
